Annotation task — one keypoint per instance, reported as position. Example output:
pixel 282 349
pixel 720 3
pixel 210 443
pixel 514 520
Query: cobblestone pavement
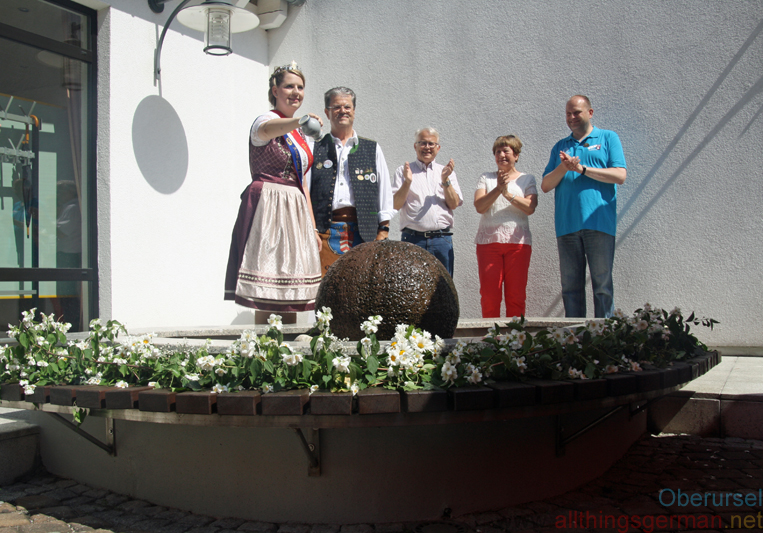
pixel 624 500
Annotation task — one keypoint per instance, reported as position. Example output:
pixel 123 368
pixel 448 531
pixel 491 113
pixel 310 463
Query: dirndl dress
pixel 273 264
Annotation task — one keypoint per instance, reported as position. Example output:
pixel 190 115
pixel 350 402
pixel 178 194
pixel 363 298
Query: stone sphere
pixel 399 281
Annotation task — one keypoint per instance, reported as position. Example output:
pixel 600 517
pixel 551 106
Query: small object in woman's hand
pixel 310 126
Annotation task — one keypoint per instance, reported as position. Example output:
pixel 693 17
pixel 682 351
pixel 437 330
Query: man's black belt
pixel 429 234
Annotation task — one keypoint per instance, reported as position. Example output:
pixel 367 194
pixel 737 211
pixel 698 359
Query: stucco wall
pixel 172 164
pixel 680 82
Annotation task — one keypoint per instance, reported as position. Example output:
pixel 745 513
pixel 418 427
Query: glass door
pixel 47 183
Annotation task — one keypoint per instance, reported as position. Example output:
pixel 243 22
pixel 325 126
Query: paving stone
pixel 36 502
pixel 326 528
pixel 392 527
pixel 37 489
pixel 152 510
pixel 174 527
pixel 150 524
pixel 259 527
pixel 357 528
pixel 7 508
pixel 7 495
pixel 77 500
pixel 133 505
pixel 91 521
pixel 196 520
pixel 204 529
pixel 227 523
pixel 77 528
pixel 172 514
pixel 96 493
pixel 61 512
pixel 61 494
pixel 13 519
pixel 110 515
pixel 126 520
pixel 79 489
pixel 88 508
pixel 65 483
pixel 293 528
pixel 486 518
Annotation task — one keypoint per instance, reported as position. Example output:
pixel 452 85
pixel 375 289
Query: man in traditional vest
pixel 349 184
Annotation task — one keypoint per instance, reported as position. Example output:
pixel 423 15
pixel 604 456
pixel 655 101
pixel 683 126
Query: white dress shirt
pixel 425 208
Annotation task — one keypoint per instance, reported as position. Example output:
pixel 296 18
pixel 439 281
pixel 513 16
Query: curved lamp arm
pixel 158 52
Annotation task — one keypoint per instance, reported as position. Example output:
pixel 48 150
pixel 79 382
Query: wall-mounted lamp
pixel 216 18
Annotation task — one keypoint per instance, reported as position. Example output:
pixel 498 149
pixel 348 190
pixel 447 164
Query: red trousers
pixel 503 265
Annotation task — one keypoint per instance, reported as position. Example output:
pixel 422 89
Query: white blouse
pixel 503 222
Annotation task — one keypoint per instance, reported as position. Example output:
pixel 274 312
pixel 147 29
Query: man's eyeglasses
pixel 426 144
pixel 341 108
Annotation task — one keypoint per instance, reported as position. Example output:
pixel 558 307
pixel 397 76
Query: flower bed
pixel 614 357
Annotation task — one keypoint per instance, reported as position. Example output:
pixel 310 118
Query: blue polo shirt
pixel 581 202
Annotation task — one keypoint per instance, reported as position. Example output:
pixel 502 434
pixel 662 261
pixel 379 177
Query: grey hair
pixel 429 130
pixel 338 91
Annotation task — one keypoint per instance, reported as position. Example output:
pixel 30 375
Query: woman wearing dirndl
pixel 274 263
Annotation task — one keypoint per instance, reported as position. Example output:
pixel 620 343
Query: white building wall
pixel 680 82
pixel 173 162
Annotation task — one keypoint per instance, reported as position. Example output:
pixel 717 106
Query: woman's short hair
pixel 512 141
pixel 338 91
pixel 276 79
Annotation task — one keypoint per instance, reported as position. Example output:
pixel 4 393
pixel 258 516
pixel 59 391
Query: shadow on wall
pixel 160 144
pixel 741 103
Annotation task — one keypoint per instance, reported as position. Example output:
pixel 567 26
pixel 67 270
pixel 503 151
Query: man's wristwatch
pixel 583 173
pixel 382 228
pixel 446 183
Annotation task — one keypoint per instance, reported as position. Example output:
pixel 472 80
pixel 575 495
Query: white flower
pixel 42 364
pixel 313 388
pixel 342 364
pixel 675 311
pixel 354 388
pixel 319 342
pixel 217 389
pixel 453 358
pixel 475 376
pixel 95 380
pixel 618 313
pixel 152 384
pixel 610 369
pixel 575 373
pixel 121 384
pixel 206 363
pixel 642 325
pixel 267 387
pixel 274 321
pixel 292 358
pixel 29 389
pixel 323 317
pixel 192 377
pixel 220 371
pixel 393 356
pixel 635 367
pixel 449 372
pixel 369 327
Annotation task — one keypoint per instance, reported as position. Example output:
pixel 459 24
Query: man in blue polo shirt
pixel 585 169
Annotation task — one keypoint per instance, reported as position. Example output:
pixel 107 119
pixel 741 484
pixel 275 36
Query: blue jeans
pixel 599 249
pixel 441 247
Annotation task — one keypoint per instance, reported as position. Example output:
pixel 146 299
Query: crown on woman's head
pixel 286 68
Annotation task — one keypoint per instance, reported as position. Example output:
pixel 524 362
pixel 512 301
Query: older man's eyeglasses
pixel 427 144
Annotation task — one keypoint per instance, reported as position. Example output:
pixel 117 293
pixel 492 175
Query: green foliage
pixel 412 360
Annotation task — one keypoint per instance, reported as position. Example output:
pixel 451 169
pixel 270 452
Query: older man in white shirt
pixel 426 193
